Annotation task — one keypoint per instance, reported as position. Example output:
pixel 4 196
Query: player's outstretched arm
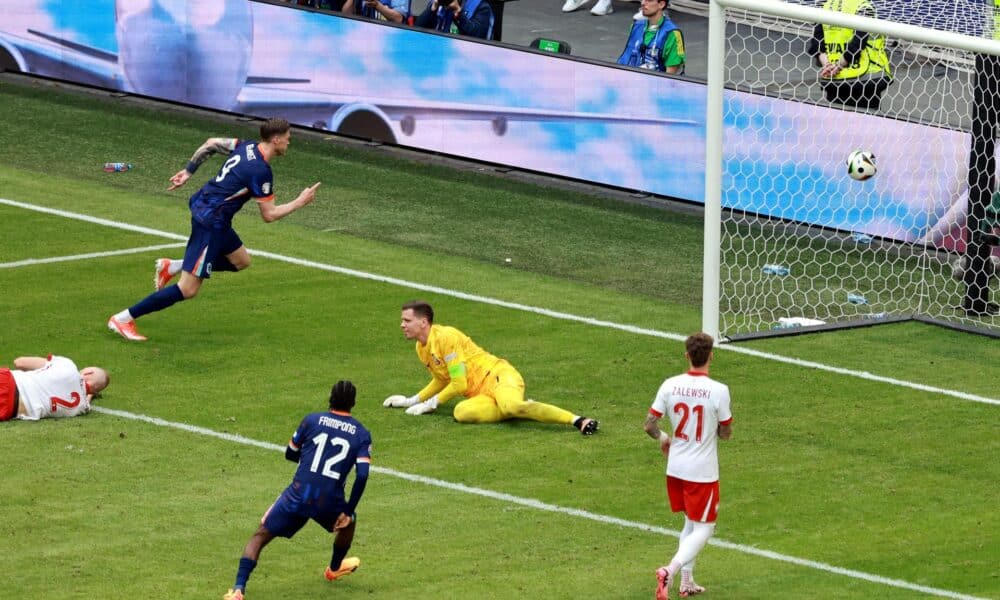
pixel 401 401
pixel 29 363
pixel 271 212
pixel 210 147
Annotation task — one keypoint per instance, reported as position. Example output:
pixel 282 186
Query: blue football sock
pixel 339 552
pixel 164 298
pixel 246 567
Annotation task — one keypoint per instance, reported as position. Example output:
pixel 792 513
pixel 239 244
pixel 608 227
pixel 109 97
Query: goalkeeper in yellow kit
pixel 494 390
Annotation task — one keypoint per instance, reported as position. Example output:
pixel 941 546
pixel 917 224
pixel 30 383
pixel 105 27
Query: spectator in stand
pixel 654 42
pixel 473 18
pixel 396 11
pixel 854 66
pixel 602 8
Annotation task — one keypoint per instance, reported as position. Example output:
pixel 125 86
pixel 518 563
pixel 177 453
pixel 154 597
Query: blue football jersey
pixel 331 443
pixel 243 176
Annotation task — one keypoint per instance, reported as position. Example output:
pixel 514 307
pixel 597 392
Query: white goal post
pixel 768 265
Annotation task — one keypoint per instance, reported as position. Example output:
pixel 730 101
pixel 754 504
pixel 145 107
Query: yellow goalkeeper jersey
pixel 456 363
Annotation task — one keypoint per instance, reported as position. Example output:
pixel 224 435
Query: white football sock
pixel 124 317
pixel 691 545
pixel 175 266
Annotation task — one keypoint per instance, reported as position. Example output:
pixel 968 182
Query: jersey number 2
pixel 342 446
pixel 57 402
pixel 685 411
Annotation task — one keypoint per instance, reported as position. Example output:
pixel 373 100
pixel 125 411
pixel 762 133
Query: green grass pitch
pixel 889 482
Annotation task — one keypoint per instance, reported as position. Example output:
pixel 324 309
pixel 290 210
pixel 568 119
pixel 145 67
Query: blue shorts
pixel 287 516
pixel 207 244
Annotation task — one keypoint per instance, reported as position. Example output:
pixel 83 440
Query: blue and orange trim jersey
pixel 456 364
pixel 246 174
pixel 331 444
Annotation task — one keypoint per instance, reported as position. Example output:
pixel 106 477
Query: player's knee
pixel 242 263
pixel 189 290
pixel 465 414
pixel 517 410
pixel 462 414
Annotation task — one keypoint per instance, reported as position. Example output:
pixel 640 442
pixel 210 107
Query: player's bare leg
pixel 239 258
pixel 189 285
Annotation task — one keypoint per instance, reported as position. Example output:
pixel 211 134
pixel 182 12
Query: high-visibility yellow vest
pixel 872 58
pixel 996 19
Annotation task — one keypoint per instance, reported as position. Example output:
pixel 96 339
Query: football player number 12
pixel 342 447
pixel 685 412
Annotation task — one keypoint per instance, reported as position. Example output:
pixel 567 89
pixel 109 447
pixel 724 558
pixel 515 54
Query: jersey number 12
pixel 342 447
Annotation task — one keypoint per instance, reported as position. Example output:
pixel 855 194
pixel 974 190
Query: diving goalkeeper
pixel 494 390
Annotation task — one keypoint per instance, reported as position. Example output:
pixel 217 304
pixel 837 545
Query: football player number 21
pixel 685 412
pixel 342 447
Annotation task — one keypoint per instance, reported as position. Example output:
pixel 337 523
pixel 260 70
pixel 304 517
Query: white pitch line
pixel 55 259
pixel 555 508
pixel 527 308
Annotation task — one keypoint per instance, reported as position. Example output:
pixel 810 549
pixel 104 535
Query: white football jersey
pixel 55 390
pixel 696 404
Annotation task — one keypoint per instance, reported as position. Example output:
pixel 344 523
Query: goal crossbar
pixel 914 33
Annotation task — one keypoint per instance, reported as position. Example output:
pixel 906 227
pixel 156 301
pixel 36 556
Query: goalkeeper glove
pixel 423 408
pixel 400 401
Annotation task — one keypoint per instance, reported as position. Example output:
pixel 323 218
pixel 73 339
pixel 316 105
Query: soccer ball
pixel 861 165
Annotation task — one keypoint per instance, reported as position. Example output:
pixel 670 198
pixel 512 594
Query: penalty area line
pixel 525 308
pixel 57 259
pixel 555 508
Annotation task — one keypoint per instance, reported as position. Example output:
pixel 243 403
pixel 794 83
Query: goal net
pixel 801 244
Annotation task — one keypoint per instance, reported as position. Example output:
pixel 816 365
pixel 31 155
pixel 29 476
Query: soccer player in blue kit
pixel 326 445
pixel 214 244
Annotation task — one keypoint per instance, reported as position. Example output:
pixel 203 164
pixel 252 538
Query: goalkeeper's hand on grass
pixel 422 408
pixel 400 401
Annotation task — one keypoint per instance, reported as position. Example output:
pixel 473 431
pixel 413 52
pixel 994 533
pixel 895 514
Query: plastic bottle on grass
pixel 780 270
pixel 117 167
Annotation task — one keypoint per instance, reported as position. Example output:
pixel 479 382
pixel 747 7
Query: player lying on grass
pixel 48 387
pixel 493 388
pixel 213 244
pixel 327 445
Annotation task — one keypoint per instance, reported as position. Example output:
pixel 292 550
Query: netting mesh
pixel 802 241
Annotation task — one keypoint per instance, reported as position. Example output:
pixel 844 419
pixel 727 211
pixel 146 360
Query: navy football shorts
pixel 286 516
pixel 207 244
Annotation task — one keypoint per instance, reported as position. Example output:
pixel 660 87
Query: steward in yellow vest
pixel 854 66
